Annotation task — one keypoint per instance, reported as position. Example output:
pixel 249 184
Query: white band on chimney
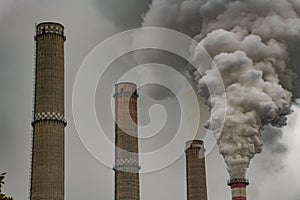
pixel 238 192
pixel 127 161
pixel 49 116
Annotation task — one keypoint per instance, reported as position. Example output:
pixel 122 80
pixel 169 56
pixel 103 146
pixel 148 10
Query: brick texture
pixel 126 143
pixel 195 171
pixel 47 174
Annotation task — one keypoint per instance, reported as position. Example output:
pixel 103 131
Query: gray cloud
pixel 86 26
pixel 275 150
pixel 272 138
pixel 127 14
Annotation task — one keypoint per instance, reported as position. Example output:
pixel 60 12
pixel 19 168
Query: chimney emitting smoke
pixel 238 188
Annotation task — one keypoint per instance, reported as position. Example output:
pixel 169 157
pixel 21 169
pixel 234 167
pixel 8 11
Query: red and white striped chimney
pixel 238 188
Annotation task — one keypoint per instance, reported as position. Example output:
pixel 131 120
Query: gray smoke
pixel 272 139
pixel 118 11
pixel 253 45
pixel 274 149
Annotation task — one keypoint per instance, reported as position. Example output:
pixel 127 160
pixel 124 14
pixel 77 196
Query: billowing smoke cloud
pixel 254 96
pixel 253 45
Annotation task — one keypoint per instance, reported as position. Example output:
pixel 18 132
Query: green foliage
pixel 3 196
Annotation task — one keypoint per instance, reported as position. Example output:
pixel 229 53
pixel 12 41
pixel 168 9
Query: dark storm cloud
pixel 124 13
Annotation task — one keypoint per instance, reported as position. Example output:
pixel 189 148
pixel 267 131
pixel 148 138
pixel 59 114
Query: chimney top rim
pixel 125 83
pixel 237 181
pixel 49 23
pixel 194 144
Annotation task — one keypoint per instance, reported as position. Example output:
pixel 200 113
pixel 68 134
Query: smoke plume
pixel 253 45
pixel 274 150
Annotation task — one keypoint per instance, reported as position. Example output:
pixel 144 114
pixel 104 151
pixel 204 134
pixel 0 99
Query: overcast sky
pixel 273 175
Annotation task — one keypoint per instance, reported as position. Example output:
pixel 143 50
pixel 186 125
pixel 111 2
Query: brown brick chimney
pixel 195 170
pixel 126 143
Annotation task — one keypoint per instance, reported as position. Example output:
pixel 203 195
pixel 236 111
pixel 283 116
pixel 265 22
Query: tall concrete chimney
pixel 195 170
pixel 126 143
pixel 238 188
pixel 47 167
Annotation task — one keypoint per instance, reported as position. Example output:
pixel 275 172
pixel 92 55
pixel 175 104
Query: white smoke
pixel 254 95
pixel 253 44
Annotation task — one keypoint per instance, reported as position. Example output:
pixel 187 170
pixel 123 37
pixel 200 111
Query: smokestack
pixel 195 170
pixel 126 143
pixel 238 188
pixel 47 167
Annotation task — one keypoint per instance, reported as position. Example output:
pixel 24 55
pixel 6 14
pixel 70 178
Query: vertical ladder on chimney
pixel 33 111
